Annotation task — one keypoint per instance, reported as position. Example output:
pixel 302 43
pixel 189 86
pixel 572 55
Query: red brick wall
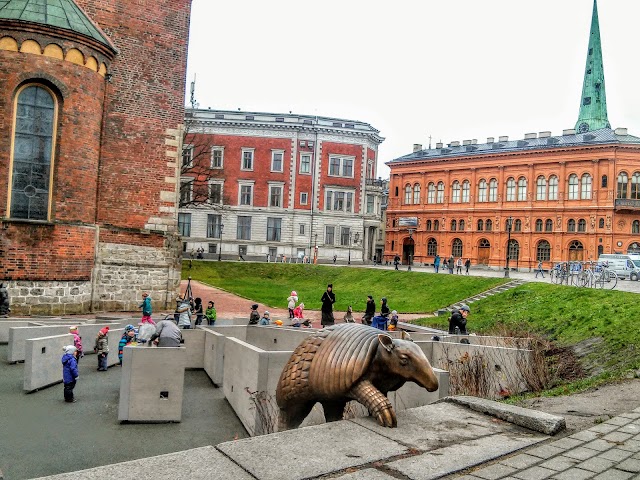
pixel 145 98
pixel 51 252
pixel 303 180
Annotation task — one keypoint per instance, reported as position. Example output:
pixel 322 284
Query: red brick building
pixel 91 108
pixel 543 198
pixel 282 184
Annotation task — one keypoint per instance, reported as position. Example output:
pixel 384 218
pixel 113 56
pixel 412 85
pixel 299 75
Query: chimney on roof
pixel 438 145
pixel 569 131
pixel 544 134
pixel 454 144
pixel 530 136
pixel 620 131
pixel 474 141
pixel 466 142
pixel 417 147
pixel 504 138
pixel 490 139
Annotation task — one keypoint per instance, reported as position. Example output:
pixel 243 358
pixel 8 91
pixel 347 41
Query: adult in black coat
pixel 370 311
pixel 328 299
pixel 459 320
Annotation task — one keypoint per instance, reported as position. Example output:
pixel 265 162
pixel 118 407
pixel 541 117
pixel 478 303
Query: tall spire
pixel 593 105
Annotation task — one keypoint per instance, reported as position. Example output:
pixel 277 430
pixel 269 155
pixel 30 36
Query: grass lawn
pixel 567 315
pixel 271 284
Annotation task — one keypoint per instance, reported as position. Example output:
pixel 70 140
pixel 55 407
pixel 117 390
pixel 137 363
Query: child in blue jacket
pixel 69 372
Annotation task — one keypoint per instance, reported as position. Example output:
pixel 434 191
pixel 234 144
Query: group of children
pixel 387 320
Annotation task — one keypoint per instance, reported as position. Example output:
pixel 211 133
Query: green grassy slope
pixel 407 292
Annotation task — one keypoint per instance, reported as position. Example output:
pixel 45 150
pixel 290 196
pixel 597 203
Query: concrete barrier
pixel 276 338
pixel 5 325
pixel 214 356
pixel 152 383
pixel 18 336
pixel 194 344
pixel 42 365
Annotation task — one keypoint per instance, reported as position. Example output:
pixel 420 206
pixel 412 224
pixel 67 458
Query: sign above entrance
pixel 408 222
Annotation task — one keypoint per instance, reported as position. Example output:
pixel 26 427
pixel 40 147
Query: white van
pixel 625 265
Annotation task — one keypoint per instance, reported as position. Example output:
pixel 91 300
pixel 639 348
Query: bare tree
pixel 201 164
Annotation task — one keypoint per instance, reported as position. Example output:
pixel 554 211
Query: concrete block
pixel 531 419
pixel 42 365
pixel 204 463
pixel 444 461
pixel 214 356
pixel 194 344
pixel 5 325
pixel 151 387
pixel 354 448
pixel 19 335
pixel 276 338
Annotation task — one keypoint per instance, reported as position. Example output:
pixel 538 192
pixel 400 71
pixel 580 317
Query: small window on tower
pixel 586 101
pixel 591 51
pixel 588 71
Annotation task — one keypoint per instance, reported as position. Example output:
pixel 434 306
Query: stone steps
pixel 480 296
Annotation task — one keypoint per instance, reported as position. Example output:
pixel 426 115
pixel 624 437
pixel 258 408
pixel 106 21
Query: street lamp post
pixel 220 249
pixel 509 222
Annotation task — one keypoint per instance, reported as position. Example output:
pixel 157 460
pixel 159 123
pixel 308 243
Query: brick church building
pixel 542 198
pixel 91 108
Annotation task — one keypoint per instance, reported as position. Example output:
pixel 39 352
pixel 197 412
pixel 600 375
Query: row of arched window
pixel 516 226
pixel 579 188
pixel 628 188
pixel 543 248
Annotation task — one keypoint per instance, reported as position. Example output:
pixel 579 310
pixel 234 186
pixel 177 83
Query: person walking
pixel 539 270
pixel 211 314
pixel 458 320
pixel 396 261
pixel 451 264
pixel 467 265
pixel 459 266
pixel 436 263
pixel 291 302
pixel 328 299
pixel 369 311
pixel 146 309
pixel 335 257
pixel 102 348
pixel 69 372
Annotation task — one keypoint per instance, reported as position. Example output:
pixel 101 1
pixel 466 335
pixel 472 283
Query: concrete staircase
pixel 480 296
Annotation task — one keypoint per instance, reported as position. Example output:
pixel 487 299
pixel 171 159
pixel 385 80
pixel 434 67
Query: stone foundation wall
pixel 48 297
pixel 123 272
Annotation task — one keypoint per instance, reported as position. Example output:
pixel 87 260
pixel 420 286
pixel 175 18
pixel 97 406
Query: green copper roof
pixel 593 105
pixel 63 14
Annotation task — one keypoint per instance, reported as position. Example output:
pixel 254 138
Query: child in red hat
pixel 102 348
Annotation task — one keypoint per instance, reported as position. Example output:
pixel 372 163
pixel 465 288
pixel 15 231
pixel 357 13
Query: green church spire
pixel 593 105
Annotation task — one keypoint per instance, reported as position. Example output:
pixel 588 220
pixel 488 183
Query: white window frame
pixel 510 190
pixel 416 194
pixel 326 234
pixel 493 190
pixel 455 192
pixel 215 182
pixel 348 199
pixel 440 192
pixel 431 193
pixel 188 181
pixel 220 149
pixel 341 166
pixel 371 202
pixel 541 188
pixel 245 184
pixel 304 154
pixel 553 187
pixel 466 190
pixel 574 187
pixel 408 194
pixel 482 191
pixel 273 159
pixel 278 188
pixel 586 187
pixel 522 189
pixel 304 198
pixel 252 151
pixel 301 229
pixel 187 152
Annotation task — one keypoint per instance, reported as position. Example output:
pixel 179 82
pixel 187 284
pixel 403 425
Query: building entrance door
pixel 484 252
pixel 408 247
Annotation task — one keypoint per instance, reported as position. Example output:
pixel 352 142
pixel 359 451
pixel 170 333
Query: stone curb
pixel 533 420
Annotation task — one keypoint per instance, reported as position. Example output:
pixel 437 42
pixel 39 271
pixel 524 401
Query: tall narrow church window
pixel 522 189
pixel 32 156
pixel 482 191
pixel 456 192
pixel 511 190
pixel 623 181
pixel 493 190
pixel 466 186
pixel 407 195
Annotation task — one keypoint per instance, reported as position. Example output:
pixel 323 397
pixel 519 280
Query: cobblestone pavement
pixel 608 451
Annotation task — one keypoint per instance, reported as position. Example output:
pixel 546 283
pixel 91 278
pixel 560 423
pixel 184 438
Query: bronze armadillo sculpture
pixel 349 362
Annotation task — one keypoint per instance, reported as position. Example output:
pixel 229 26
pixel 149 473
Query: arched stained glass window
pixel 32 156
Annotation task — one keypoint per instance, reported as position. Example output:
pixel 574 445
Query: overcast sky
pixel 449 69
